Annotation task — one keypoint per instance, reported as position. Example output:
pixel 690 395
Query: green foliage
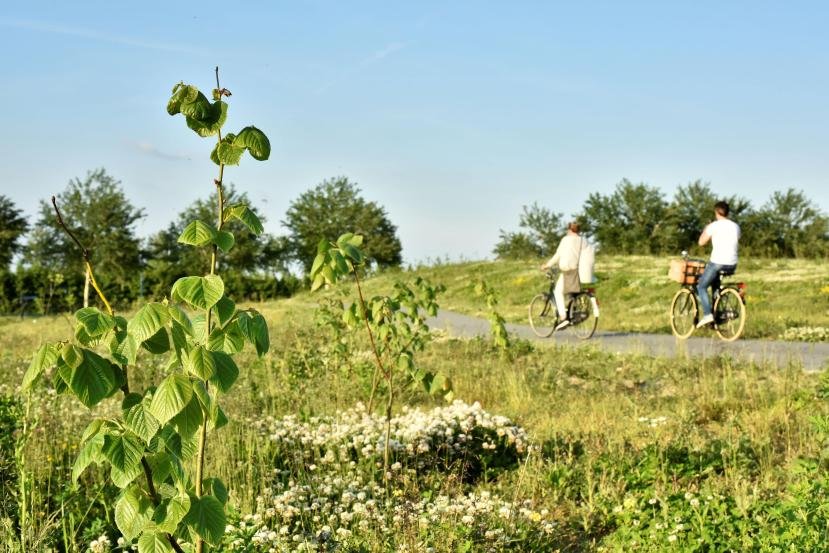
pixel 497 323
pixel 103 219
pixel 161 429
pixel 333 208
pixel 13 226
pixel 544 230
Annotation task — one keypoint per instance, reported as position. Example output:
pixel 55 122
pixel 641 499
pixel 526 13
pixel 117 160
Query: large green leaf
pixel 228 339
pixel 199 362
pixel 255 328
pixel 154 542
pixel 92 379
pixel 224 240
pixel 124 348
pixel 225 152
pixel 207 518
pixel 171 511
pixel 149 320
pixel 255 141
pixel 215 487
pixel 182 94
pixel 211 123
pixel 197 233
pixel 190 419
pixel 158 343
pixel 226 371
pixel 45 358
pixel 90 452
pixel 94 321
pixel 123 451
pixel 179 316
pixel 225 309
pixel 139 419
pixel 246 216
pixel 133 511
pixel 199 292
pixel 171 396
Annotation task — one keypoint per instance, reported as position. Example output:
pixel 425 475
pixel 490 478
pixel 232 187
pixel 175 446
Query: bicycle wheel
pixel 543 316
pixel 683 313
pixel 729 315
pixel 583 319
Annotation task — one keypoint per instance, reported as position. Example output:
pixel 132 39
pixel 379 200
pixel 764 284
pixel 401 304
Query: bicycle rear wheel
pixel 683 313
pixel 729 315
pixel 583 319
pixel 543 316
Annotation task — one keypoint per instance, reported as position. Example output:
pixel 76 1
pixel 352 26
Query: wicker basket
pixel 686 272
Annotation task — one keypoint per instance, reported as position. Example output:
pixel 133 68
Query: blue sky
pixel 450 114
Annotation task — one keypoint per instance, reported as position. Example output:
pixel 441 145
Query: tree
pixel 335 207
pixel 631 220
pixel 13 226
pixel 103 219
pixel 788 225
pixel 692 208
pixel 544 231
pixel 168 260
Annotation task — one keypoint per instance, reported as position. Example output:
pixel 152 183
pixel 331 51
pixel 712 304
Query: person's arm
pixel 704 237
pixel 553 261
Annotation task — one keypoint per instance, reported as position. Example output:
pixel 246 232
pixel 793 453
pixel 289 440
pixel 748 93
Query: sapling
pixel 156 447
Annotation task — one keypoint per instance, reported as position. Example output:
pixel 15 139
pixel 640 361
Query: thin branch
pixel 85 253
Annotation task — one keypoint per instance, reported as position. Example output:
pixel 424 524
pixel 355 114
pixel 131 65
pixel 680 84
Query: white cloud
pixel 153 151
pixel 91 34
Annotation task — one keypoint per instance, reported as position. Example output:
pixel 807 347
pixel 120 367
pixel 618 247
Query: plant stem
pixel 213 256
pixel 374 350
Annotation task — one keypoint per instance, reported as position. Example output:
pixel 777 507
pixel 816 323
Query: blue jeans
pixel 711 277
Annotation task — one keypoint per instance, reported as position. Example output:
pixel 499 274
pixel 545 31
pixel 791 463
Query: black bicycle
pixel 582 311
pixel 729 308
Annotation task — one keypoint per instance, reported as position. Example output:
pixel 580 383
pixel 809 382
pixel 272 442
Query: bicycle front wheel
pixel 683 313
pixel 729 315
pixel 543 316
pixel 583 318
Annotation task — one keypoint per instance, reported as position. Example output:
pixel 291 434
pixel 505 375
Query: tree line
pixel 49 274
pixel 639 219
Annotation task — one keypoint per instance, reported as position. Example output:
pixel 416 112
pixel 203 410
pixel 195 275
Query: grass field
pixel 552 449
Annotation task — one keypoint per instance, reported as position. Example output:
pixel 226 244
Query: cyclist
pixel 567 258
pixel 724 235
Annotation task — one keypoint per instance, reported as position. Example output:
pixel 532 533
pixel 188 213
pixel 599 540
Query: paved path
pixel 812 356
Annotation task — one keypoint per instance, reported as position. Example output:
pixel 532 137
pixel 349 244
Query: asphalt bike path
pixel 704 343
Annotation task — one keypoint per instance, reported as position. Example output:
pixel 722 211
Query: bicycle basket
pixel 686 271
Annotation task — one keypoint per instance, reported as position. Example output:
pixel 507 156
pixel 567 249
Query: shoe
pixel 563 324
pixel 705 321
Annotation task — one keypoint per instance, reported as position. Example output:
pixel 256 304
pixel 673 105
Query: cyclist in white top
pixel 724 235
pixel 567 259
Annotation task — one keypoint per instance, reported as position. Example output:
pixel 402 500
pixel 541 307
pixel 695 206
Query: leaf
pixel 246 216
pixel 319 280
pixel 93 379
pixel 172 395
pixel 228 339
pixel 154 542
pixel 227 153
pixel 123 451
pixel 45 357
pixel 148 321
pixel 190 419
pixel 158 343
pixel 353 252
pixel 94 321
pixel 171 512
pixel 182 93
pixel 207 518
pixel 225 309
pixel 124 348
pixel 179 316
pixel 141 422
pixel 224 240
pixel 90 452
pixel 197 233
pixel 215 487
pixel 255 141
pixel 199 362
pixel 211 122
pixel 132 512
pixel 226 371
pixel 199 292
pixel 259 332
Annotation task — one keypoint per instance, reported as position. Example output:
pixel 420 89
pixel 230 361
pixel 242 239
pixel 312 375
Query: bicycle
pixel 582 310
pixel 729 308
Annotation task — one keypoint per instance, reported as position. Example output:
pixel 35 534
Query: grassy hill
pixel 635 293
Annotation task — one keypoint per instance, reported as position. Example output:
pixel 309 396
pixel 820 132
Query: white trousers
pixel 558 293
